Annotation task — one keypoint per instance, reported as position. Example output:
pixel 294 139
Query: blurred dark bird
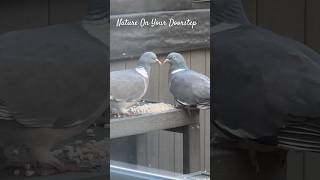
pixel 189 88
pixel 53 85
pixel 130 85
pixel 267 87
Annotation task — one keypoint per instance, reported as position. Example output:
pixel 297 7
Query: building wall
pixel 25 14
pixel 297 19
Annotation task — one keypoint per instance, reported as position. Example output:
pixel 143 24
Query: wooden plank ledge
pixel 127 126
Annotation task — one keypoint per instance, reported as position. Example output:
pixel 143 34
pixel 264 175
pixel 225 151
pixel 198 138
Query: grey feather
pixel 121 80
pixel 188 87
pixel 129 86
pixel 266 84
pixel 52 89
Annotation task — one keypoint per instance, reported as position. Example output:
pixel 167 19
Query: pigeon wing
pixel 5 114
pixel 295 91
pixel 58 80
pixel 127 85
pixel 263 79
pixel 20 119
pixel 190 87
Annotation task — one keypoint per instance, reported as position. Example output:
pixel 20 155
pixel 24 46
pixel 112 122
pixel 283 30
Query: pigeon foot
pixel 123 113
pixel 53 162
pixel 128 113
pixel 187 108
pixel 45 159
pixel 119 115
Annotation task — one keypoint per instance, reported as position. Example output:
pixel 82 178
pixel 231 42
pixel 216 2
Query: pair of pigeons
pixel 188 87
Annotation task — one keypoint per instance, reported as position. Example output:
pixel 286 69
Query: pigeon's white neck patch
pixel 142 71
pixel 177 70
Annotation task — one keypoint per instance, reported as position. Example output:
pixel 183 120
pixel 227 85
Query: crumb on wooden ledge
pixel 150 108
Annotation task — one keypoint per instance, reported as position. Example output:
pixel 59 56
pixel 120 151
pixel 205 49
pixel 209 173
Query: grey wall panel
pixel 285 17
pixel 136 6
pixel 24 14
pixel 131 41
pixel 64 11
pixel 250 7
pixel 313 24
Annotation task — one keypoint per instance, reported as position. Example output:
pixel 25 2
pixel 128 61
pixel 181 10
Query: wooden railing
pixel 180 121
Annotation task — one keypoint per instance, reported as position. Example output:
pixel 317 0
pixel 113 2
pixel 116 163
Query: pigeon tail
pixel 301 137
pixel 228 11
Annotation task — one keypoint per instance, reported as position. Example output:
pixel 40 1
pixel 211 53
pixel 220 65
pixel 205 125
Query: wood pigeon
pixel 53 85
pixel 130 85
pixel 188 87
pixel 267 87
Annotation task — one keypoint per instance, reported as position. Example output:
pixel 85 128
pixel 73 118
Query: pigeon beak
pixel 158 61
pixel 166 61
